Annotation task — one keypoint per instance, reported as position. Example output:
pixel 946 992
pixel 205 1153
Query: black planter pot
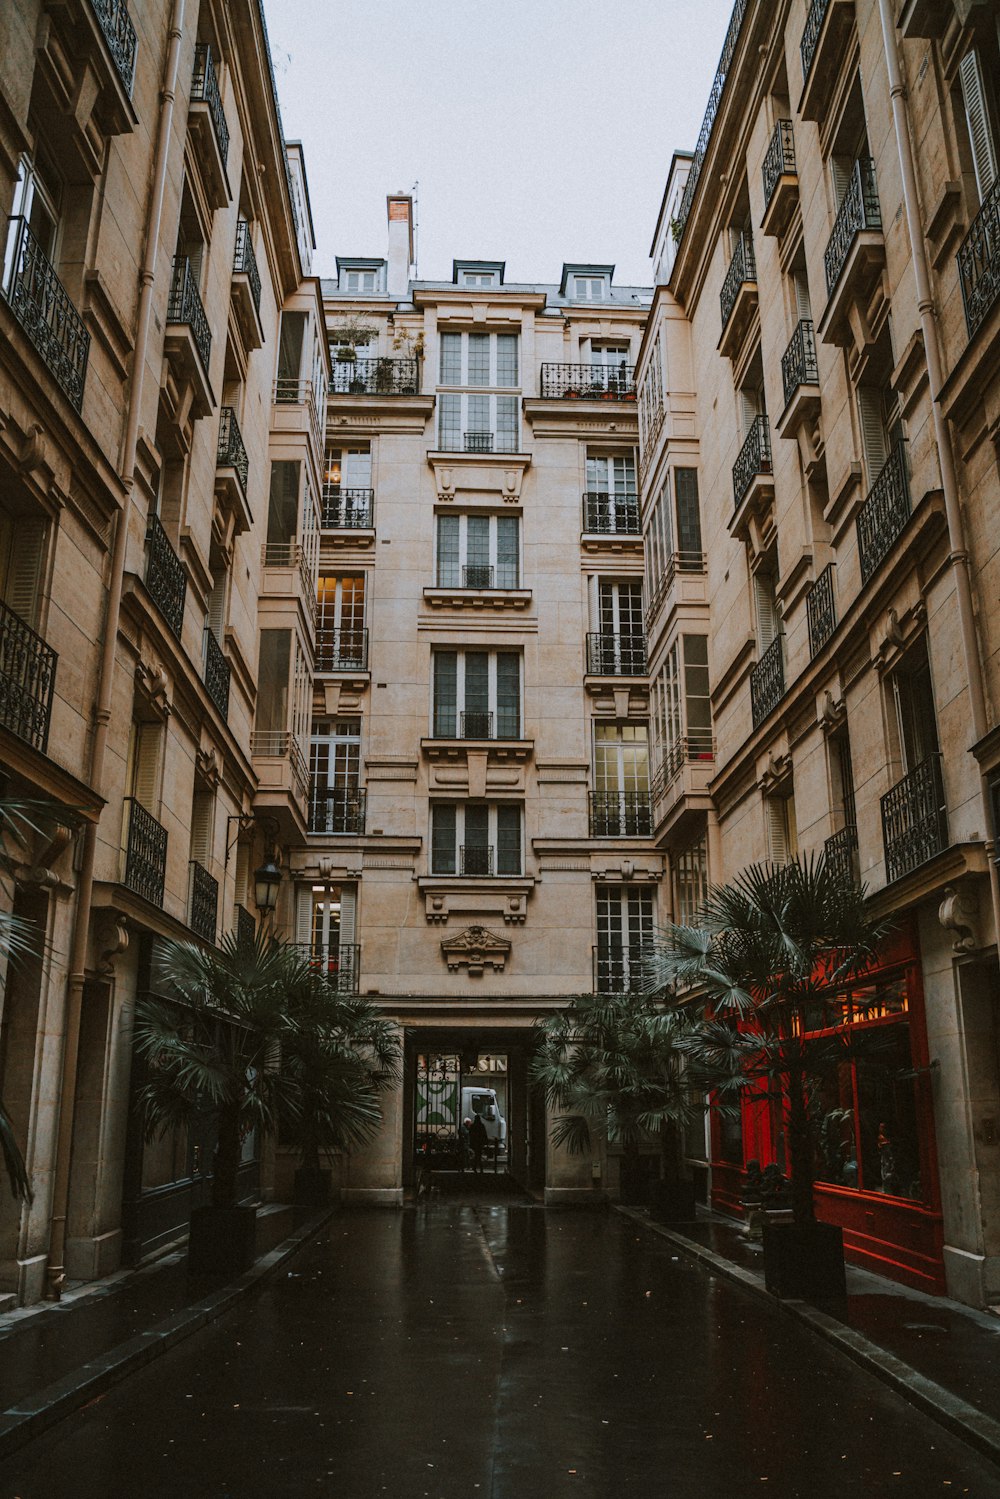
pixel 222 1241
pixel 312 1187
pixel 672 1202
pixel 806 1262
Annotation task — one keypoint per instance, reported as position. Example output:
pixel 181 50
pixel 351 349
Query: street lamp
pixel 266 880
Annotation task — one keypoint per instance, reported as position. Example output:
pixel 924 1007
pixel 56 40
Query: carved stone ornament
pixel 446 484
pixel 777 771
pixel 959 913
pixel 832 712
pixel 110 940
pixel 208 766
pixel 152 680
pixel 475 949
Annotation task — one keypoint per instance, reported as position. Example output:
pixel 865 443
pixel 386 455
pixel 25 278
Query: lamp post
pixel 266 881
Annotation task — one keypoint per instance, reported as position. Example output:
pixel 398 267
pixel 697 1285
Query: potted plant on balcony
pixel 348 335
pixel 770 955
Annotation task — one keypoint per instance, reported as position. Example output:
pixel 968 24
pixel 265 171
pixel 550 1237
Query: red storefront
pixel 876 1166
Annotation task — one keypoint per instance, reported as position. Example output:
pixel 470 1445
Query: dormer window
pixel 359 279
pixel 479 278
pixel 590 288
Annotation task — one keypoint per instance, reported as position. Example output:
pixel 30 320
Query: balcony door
pixel 340 623
pixel 621 779
pixel 624 926
pixel 335 775
pixel 619 615
pixel 325 926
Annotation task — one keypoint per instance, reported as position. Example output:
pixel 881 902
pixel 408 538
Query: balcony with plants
pixel 587 382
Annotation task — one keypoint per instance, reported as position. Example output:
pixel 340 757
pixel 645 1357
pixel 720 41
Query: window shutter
pixel 803 307
pixel 748 411
pixel 304 917
pixel 243 893
pixel 767 610
pixel 24 569
pixel 508 695
pixel 217 607
pixel 146 765
pixel 840 173
pixel 443 839
pixel 348 908
pixel 508 839
pixel 445 693
pixel 775 812
pixel 202 827
pixel 873 435
pixel 688 510
pixel 984 154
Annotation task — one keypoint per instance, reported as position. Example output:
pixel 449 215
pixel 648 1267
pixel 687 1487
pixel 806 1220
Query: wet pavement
pixel 474 1351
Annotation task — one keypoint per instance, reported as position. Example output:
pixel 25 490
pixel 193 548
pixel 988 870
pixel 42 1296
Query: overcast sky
pixel 539 130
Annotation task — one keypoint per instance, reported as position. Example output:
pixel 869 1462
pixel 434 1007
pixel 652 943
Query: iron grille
pixel 119 33
pixel 340 961
pixel 478 442
pixel 606 514
pixel 593 382
pixel 621 814
pixel 184 306
pixel 338 809
pixel 341 650
pixel 477 575
pixel 914 820
pixel 217 673
pixel 754 458
pixel 232 453
pixel 798 363
pixel 205 88
pixel 841 854
pixel 810 36
pixel 821 610
pixel 859 210
pixel 43 307
pixel 979 261
pixel 780 159
pixel 476 858
pixel 346 509
pixel 617 968
pixel 166 580
pixel 244 926
pixel 245 261
pixel 376 377
pixel 204 906
pixel 742 270
pixel 711 110
pixel 27 680
pixel 145 853
pixel 616 655
pixel 767 681
pixel 884 513
pixel 476 723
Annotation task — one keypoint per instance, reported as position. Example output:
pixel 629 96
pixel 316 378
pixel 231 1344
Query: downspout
pixel 958 555
pixel 56 1266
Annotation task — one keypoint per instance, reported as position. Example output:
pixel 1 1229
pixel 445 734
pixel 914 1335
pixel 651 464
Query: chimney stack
pixel 400 256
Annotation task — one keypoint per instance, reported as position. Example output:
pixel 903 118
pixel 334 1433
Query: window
pixel 335 777
pixel 780 829
pixel 842 780
pixel 474 838
pixel 283 510
pixel 22 554
pixel 479 278
pixel 37 195
pixel 611 502
pixel 914 717
pixel 979 83
pixel 673 536
pixel 619 614
pixel 477 695
pixel 325 929
pixel 145 756
pixel 479 359
pixel 291 340
pixel 624 927
pixel 682 709
pixel 347 487
pixel 621 806
pixel 881 428
pixel 691 880
pixel 360 281
pixel 590 288
pixel 608 356
pixel 284 696
pixel 478 551
pixel 478 424
pixel 651 401
pixel 341 639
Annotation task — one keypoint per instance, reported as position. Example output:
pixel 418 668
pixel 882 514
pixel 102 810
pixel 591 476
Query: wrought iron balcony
pixel 340 961
pixel 346 509
pixel 798 363
pixel 979 262
pixel 43 307
pixel 606 514
pixel 821 610
pixel 589 382
pixel 884 513
pixel 451 441
pixel 145 853
pixel 341 650
pixel 860 210
pixel 810 36
pixel 477 575
pixel 217 673
pixel 617 969
pixel 478 442
pixel 742 270
pixel 476 723
pixel 610 655
pixel 245 261
pixel 231 451
pixel 914 820
pixel 166 580
pixel 338 809
pixel 780 159
pixel 767 681
pixel 184 306
pixel 27 680
pixel 119 33
pixel 714 100
pixel 244 926
pixel 205 88
pixel 477 858
pixel 204 904
pixel 841 854
pixel 754 459
pixel 376 377
pixel 621 814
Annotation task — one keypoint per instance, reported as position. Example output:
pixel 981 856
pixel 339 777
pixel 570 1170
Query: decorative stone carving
pixel 110 940
pixel 475 949
pixel 959 913
pixel 777 771
pixel 446 484
pixel 153 682
pixel 831 712
pixel 208 767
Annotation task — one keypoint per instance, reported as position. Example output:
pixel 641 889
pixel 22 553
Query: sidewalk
pixel 938 1354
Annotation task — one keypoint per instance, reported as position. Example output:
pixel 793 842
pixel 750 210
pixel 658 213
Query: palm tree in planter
pixel 770 956
pixel 611 1062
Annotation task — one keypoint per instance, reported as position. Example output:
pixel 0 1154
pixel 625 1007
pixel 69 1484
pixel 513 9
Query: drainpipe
pixel 56 1266
pixel 958 555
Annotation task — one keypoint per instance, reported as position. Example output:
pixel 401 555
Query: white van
pixel 484 1102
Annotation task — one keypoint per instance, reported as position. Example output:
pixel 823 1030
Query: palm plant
pixel 769 957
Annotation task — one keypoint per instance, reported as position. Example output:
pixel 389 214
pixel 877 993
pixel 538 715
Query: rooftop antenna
pixel 415 190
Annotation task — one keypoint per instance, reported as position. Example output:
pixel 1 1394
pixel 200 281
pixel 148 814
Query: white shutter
pixel 776 818
pixel 768 622
pixel 24 568
pixel 217 607
pixel 840 174
pixel 873 435
pixel 984 156
pixel 803 307
pixel 146 765
pixel 202 827
pixel 348 914
pixel 303 916
pixel 243 893
pixel 748 412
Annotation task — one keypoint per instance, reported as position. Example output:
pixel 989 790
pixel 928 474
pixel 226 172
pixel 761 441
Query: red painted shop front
pixel 876 1166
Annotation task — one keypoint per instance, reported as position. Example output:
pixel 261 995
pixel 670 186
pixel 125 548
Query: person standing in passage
pixel 478 1138
pixel 463 1144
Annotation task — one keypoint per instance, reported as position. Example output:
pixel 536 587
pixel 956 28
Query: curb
pixel 963 1420
pixel 36 1413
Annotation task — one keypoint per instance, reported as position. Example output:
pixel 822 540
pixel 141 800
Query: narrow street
pixel 497 1352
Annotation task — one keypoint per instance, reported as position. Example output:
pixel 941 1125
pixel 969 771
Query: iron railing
pixel 478 442
pixel 477 858
pixel 27 680
pixel 205 88
pixel 798 363
pixel 203 908
pixel 754 458
pixel 340 961
pixel 621 814
pixel 341 650
pixel 166 580
pixel 244 926
pixel 245 261
pixel 742 271
pixel 676 562
pixel 217 673
pixel 376 377
pixel 810 35
pixel 338 809
pixel 346 509
pixel 145 853
pixel 780 159
pixel 451 441
pixel 767 681
pixel 119 33
pixel 184 306
pixel 617 968
pixel 841 854
pixel 43 307
pixel 711 110
pixel 858 211
pixel 476 723
pixel 589 382
pixel 606 514
pixel 610 655
pixel 232 452
pixel 884 513
pixel 979 261
pixel 914 819
pixel 696 747
pixel 821 610
pixel 477 575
